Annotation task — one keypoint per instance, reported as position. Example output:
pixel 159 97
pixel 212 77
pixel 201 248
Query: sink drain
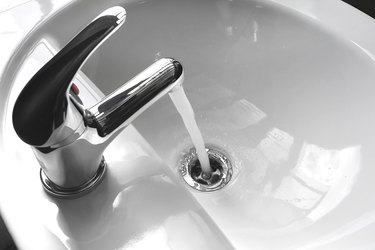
pixel 191 171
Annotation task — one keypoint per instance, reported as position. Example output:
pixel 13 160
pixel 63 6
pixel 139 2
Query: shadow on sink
pixel 6 242
pixel 140 208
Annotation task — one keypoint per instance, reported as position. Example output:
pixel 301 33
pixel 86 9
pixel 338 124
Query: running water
pixel 183 106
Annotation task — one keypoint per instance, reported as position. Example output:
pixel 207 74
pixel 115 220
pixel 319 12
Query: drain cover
pixel 191 171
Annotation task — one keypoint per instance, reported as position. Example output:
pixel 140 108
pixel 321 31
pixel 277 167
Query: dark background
pixel 367 6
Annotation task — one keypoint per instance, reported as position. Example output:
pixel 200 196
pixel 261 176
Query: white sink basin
pixel 285 87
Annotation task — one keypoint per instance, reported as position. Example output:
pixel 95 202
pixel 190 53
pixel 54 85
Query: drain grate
pixel 191 171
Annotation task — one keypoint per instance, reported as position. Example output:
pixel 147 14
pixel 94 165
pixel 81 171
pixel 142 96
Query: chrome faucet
pixel 69 139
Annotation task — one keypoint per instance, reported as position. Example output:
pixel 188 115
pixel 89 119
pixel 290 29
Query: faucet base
pixel 76 192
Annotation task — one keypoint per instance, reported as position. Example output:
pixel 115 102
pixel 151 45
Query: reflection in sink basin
pixel 281 86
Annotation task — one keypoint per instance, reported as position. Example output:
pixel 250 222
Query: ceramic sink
pixel 285 88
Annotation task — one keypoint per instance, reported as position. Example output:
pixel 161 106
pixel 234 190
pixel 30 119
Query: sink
pixel 285 88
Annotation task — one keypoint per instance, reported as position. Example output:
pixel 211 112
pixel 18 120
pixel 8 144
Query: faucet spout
pixel 120 108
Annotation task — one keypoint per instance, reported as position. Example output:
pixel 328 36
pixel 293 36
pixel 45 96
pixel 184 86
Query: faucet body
pixel 69 139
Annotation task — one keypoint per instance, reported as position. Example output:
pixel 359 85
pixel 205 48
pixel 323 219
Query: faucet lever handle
pixel 41 107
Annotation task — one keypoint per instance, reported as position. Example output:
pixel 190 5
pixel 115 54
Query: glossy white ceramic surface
pixel 285 87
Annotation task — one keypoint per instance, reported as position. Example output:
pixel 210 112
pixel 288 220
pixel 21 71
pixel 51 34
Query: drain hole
pixel 206 178
pixel 192 173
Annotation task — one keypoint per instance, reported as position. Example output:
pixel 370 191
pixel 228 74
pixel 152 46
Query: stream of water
pixel 186 111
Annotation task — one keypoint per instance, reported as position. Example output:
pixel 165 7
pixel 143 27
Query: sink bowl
pixel 284 87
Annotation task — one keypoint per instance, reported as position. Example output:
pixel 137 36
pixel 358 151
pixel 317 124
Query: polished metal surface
pixel 75 192
pixel 69 139
pixel 43 115
pixel 131 99
pixel 192 174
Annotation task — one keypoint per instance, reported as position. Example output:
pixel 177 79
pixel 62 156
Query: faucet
pixel 69 139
